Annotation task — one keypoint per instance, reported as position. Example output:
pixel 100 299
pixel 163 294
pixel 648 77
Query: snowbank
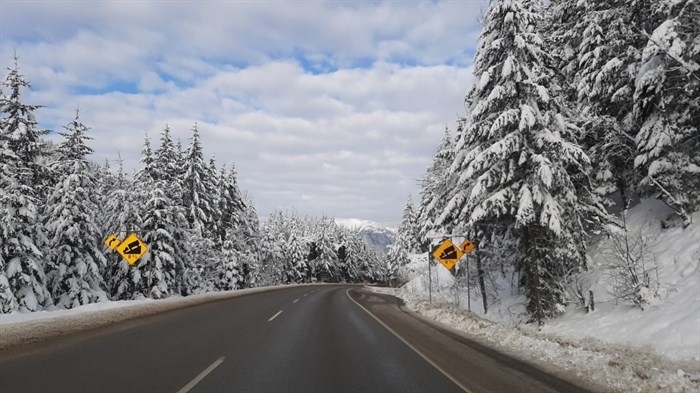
pixel 671 327
pixel 657 349
pixel 31 327
pixel 615 368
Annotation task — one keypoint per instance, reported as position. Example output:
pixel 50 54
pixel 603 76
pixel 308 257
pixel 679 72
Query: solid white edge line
pixel 295 300
pixel 201 375
pixel 445 373
pixel 275 316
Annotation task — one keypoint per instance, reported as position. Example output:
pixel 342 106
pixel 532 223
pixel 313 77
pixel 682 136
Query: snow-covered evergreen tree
pixel 75 258
pixel 212 186
pixel 325 264
pixel 667 105
pixel 22 281
pixel 147 173
pixel 195 198
pixel 161 269
pixel 408 235
pixel 122 213
pixel 296 253
pixel 231 205
pixel 434 188
pixel 229 272
pixel 517 154
pixel 21 128
pixel 166 165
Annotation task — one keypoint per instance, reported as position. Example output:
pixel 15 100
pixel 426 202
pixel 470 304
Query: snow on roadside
pixel 613 367
pixel 24 328
pixel 26 316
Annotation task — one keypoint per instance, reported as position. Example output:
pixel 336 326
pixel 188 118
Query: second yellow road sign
pixel 467 246
pixel 112 242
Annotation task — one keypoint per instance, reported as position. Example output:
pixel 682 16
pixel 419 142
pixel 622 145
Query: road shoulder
pixel 477 367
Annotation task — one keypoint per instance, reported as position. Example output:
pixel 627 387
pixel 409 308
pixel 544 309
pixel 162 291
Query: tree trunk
pixel 482 285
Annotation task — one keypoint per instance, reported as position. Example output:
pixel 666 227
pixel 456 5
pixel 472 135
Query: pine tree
pixel 231 205
pixel 296 254
pixel 166 165
pixel 229 272
pixel 212 186
pixel 325 265
pixel 198 210
pixel 22 281
pixel 435 187
pixel 8 198
pixel 517 155
pixel 668 108
pixel 160 269
pixel 148 173
pixel 409 231
pixel 122 217
pixel 75 258
pixel 21 128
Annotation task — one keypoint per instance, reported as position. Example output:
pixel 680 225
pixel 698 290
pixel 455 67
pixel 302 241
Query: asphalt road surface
pixel 301 339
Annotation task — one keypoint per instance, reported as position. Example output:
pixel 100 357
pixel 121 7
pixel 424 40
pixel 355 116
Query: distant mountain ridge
pixel 375 234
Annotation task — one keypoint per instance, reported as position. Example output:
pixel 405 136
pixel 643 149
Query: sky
pixel 324 107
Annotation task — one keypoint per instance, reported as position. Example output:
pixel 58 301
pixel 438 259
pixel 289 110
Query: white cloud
pixel 326 108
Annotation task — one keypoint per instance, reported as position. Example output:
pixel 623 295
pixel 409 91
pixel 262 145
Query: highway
pixel 298 339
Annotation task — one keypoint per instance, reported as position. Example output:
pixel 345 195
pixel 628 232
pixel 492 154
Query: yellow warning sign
pixel 448 254
pixel 132 248
pixel 112 241
pixel 467 246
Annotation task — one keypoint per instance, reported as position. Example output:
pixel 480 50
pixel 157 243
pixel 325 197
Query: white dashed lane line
pixel 275 316
pixel 295 301
pixel 202 375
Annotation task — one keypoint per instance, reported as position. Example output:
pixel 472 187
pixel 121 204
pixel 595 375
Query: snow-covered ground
pixel 611 368
pixel 658 347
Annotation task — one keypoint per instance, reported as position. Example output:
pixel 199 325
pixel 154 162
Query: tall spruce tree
pixel 229 272
pixel 75 258
pixel 434 188
pixel 195 199
pixel 212 186
pixel 21 128
pixel 517 154
pixel 122 216
pixel 8 197
pixel 161 269
pixel 667 105
pixel 22 281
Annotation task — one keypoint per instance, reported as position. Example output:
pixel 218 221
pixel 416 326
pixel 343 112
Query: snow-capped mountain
pixel 377 235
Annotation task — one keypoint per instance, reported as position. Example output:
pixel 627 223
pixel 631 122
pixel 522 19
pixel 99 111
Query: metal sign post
pixel 448 254
pixel 430 282
pixel 469 287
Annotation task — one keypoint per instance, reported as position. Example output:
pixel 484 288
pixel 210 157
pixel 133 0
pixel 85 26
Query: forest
pixel 577 109
pixel 203 233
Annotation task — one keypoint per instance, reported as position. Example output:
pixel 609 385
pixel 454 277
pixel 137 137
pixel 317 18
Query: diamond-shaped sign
pixel 467 246
pixel 112 241
pixel 448 254
pixel 132 248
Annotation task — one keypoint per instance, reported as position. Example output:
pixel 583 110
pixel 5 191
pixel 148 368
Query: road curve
pixel 304 339
pixel 300 339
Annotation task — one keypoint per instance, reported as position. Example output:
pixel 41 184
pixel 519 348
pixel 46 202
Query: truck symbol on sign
pixel 449 253
pixel 133 248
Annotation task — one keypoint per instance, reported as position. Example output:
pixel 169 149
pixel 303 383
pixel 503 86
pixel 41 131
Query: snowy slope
pixel 374 233
pixel 671 327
